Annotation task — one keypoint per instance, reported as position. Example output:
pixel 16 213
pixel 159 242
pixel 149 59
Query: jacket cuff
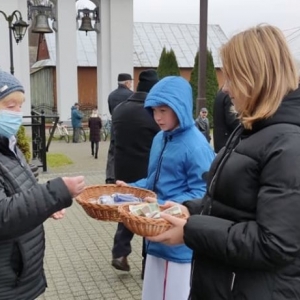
pixel 194 206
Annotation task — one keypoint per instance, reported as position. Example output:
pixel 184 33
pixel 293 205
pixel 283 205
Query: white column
pixel 104 83
pixel 66 58
pixel 114 46
pixel 20 52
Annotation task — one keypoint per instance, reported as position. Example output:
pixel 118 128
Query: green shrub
pixel 23 143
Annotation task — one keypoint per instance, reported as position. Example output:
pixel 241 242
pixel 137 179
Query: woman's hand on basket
pixel 121 183
pixel 169 204
pixel 173 236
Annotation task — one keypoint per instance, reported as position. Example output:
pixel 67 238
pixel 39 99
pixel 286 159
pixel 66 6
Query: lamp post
pixel 201 99
pixel 18 29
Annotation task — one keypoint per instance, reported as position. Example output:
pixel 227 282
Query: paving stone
pixel 78 248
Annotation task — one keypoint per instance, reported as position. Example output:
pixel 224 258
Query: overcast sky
pixel 232 15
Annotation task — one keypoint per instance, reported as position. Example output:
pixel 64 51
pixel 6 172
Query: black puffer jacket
pixel 24 206
pixel 246 243
pixel 134 129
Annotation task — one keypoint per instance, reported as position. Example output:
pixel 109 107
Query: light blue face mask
pixel 10 122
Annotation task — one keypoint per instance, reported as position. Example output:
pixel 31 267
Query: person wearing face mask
pixel 24 203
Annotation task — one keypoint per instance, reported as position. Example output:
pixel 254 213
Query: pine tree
pixel 194 83
pixel 211 85
pixel 167 64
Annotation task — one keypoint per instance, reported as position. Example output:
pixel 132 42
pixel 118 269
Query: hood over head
pixel 175 92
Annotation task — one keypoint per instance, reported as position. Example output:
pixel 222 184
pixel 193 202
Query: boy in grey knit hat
pixel 24 203
pixel 9 84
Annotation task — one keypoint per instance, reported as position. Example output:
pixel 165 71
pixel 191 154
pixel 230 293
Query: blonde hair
pixel 261 71
pixel 94 113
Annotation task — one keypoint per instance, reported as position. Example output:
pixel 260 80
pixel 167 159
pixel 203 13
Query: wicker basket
pixel 142 225
pixel 106 212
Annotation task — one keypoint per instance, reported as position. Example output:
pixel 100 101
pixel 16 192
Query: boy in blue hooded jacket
pixel 179 157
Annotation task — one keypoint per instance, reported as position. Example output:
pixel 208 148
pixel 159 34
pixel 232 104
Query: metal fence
pixel 40 146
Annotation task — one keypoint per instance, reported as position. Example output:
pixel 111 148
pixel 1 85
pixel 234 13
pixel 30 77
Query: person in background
pixel 24 204
pixel 134 129
pixel 95 125
pixel 122 93
pixel 202 123
pixel 225 120
pixel 180 157
pixel 245 233
pixel 76 117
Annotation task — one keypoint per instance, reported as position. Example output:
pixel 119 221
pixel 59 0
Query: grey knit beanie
pixel 9 84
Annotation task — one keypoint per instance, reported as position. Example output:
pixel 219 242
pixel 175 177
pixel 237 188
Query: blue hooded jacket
pixel 178 158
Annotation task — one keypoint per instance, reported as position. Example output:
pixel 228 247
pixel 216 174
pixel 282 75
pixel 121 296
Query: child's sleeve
pixel 197 165
pixel 140 183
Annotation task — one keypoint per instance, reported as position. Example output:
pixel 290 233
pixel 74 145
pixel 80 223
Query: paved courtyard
pixel 78 248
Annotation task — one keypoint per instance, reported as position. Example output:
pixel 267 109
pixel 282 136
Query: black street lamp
pixel 201 99
pixel 18 29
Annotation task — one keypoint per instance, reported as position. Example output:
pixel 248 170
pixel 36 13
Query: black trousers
pixel 122 242
pixel 110 163
pixel 95 148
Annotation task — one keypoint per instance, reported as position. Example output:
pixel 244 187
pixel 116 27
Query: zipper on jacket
pixel 226 155
pixel 223 159
pixel 232 281
pixel 159 162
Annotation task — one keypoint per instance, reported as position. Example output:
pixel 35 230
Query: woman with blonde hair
pixel 245 232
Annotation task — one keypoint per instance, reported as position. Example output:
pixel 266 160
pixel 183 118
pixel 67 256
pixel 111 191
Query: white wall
pixel 66 58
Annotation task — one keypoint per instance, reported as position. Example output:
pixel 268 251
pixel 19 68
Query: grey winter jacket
pixel 24 206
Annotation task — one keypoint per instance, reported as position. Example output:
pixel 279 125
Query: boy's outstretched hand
pixel 121 183
pixel 150 200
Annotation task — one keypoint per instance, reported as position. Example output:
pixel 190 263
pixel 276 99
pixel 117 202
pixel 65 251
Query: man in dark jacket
pixel 225 120
pixel 134 129
pixel 114 99
pixel 24 204
pixel 202 123
pixel 76 117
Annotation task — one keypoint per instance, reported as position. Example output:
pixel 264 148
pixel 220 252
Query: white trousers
pixel 165 280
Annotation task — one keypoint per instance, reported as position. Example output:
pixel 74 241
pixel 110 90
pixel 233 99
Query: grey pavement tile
pixel 78 248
